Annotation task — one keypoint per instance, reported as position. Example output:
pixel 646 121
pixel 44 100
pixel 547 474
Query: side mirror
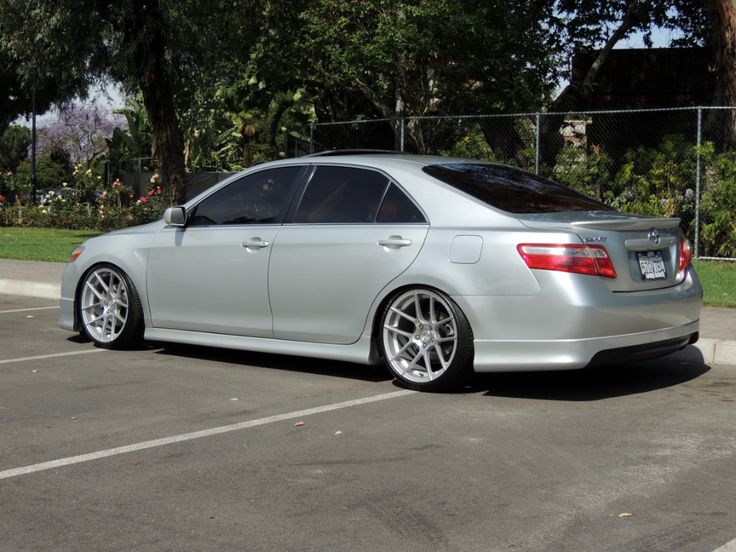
pixel 175 216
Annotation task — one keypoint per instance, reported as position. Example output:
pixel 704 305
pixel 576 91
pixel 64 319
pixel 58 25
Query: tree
pixel 723 43
pixel 82 132
pixel 131 42
pixel 711 24
pixel 387 58
pixel 590 24
pixel 134 141
pixel 34 57
pixel 14 142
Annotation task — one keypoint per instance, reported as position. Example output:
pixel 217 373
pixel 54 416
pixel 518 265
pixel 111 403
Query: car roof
pixel 372 158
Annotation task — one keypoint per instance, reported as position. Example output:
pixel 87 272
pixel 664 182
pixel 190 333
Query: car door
pixel 211 275
pixel 353 232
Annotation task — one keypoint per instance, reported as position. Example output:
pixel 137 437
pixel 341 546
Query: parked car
pixel 435 266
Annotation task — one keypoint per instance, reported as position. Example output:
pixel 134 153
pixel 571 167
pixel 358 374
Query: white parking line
pixel 15 472
pixel 29 309
pixel 54 355
pixel 728 547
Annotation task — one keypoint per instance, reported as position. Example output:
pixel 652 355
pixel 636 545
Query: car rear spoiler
pixel 629 224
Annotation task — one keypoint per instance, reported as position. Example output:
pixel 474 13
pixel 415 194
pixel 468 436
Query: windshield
pixel 513 190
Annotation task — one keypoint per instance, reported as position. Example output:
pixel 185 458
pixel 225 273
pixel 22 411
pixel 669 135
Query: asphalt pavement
pixel 717 342
pixel 191 448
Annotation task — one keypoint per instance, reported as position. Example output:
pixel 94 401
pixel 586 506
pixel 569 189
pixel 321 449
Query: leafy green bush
pixel 49 173
pixel 115 207
pixel 12 190
pixel 472 145
pixel 588 172
pixel 718 204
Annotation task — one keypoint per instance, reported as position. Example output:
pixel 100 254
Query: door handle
pixel 394 242
pixel 255 243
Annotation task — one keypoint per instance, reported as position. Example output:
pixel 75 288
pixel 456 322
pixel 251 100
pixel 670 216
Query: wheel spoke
pixel 403 314
pixel 102 282
pixel 417 307
pixel 397 330
pixel 446 339
pixel 431 310
pixel 401 351
pixel 414 360
pixel 428 365
pixel 93 289
pixel 441 357
pixel 103 326
pixel 96 318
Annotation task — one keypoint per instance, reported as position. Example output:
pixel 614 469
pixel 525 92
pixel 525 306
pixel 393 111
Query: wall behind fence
pixel 663 162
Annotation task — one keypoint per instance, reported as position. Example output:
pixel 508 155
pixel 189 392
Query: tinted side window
pixel 256 198
pixel 396 207
pixel 513 190
pixel 342 194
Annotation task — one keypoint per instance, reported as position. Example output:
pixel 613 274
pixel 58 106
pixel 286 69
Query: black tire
pixel 109 308
pixel 423 326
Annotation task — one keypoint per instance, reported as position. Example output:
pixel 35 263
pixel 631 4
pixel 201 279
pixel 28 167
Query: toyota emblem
pixel 654 236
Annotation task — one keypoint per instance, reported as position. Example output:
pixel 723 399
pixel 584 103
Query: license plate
pixel 652 265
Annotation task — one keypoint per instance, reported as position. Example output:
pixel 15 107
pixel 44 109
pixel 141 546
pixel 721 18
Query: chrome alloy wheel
pixel 104 304
pixel 420 335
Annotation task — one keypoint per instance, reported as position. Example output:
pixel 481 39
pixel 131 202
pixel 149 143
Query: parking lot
pixel 186 448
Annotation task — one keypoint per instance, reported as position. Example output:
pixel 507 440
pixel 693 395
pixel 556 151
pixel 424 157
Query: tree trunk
pixel 723 17
pixel 158 98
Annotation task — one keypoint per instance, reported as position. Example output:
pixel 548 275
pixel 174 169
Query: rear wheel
pixel 110 309
pixel 426 340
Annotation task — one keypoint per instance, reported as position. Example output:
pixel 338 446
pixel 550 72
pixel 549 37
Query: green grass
pixel 719 282
pixel 40 244
pixel 50 244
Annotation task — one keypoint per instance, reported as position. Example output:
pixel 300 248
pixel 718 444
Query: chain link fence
pixel 664 162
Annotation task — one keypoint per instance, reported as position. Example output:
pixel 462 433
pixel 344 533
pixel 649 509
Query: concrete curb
pixel 716 351
pixel 30 289
pixel 707 350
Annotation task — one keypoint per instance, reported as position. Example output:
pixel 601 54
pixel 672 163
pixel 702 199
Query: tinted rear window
pixel 513 190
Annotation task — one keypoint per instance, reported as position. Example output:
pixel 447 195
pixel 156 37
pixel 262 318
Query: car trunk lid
pixel 645 250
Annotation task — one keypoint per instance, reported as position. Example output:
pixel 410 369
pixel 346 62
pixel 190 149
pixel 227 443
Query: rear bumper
pixel 574 321
pixel 571 354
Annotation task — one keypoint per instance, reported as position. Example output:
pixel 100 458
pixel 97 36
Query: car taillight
pixel 686 254
pixel 581 259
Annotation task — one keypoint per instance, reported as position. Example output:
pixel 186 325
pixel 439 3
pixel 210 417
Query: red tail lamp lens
pixel 686 254
pixel 580 259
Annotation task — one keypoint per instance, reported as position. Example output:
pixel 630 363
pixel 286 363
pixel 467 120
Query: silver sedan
pixel 435 266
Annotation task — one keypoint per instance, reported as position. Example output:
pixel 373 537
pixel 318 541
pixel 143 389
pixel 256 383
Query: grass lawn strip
pixel 40 244
pixel 719 282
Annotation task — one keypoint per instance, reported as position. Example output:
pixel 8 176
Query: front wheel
pixel 110 309
pixel 426 340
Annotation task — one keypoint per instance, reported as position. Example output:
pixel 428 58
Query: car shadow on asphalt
pixel 593 384
pixel 590 384
pixel 317 366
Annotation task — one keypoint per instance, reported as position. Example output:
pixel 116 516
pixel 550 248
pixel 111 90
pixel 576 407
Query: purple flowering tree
pixel 80 131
